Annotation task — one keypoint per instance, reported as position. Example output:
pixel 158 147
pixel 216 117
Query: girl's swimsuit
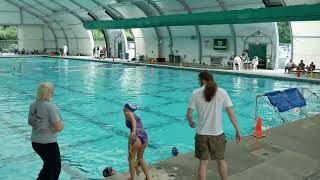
pixel 140 132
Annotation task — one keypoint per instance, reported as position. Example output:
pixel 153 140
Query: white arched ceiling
pixel 75 33
pixel 299 2
pixel 146 39
pixel 164 34
pixel 184 38
pixel 242 31
pixel 203 6
pixel 6 10
pixel 211 32
pixel 243 4
pixel 170 7
pixel 99 9
pixel 67 26
pixel 31 29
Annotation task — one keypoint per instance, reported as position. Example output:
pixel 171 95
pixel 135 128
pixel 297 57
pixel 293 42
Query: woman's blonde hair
pixel 44 91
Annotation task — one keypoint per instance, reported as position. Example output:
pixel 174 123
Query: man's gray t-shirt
pixel 42 115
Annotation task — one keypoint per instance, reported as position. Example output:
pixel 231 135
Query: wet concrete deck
pixel 274 74
pixel 289 152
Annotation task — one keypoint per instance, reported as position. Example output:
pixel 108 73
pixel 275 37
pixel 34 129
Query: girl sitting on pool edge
pixel 138 140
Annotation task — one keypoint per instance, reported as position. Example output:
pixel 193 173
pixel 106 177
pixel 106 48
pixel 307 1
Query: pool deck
pixel 289 152
pixel 274 74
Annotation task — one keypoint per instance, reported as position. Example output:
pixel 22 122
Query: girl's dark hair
pixel 210 90
pixel 210 87
pixel 205 75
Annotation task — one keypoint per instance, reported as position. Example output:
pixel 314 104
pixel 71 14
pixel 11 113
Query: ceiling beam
pixel 72 13
pixel 157 31
pixel 67 10
pixel 94 17
pixel 110 12
pixel 186 6
pixel 233 32
pixel 158 9
pixel 245 16
pixel 104 32
pixel 57 22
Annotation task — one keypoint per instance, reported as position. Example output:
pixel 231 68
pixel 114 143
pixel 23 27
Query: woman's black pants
pixel 50 154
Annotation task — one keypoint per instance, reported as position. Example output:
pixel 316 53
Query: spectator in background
pixel 65 50
pixel 245 55
pixel 237 63
pixel 61 51
pixel 301 66
pixel 311 67
pixel 94 52
pixel 255 63
pixel 46 122
pixel 289 66
pixel 98 52
pixel 268 61
pixel 109 52
pixel 103 52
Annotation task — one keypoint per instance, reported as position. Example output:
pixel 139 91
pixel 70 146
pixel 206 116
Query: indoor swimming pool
pixel 90 97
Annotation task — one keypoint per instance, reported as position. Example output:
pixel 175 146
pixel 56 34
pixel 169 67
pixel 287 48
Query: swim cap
pixel 107 171
pixel 131 106
pixel 175 151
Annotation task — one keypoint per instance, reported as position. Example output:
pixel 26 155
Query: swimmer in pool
pixel 138 140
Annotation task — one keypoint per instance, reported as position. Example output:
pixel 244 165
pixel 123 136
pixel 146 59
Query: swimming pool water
pixel 90 96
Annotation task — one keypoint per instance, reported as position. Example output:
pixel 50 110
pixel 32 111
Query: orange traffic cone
pixel 258 131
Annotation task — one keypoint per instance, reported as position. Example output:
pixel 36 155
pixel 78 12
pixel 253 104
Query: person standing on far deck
pixel 209 101
pixel 65 50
